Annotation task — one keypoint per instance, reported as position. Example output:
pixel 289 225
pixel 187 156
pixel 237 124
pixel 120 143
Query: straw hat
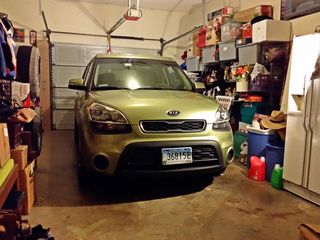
pixel 277 120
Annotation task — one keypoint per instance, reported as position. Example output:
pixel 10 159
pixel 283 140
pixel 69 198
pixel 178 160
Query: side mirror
pixel 77 84
pixel 199 86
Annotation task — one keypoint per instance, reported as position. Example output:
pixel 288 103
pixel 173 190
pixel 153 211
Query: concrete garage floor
pixel 230 207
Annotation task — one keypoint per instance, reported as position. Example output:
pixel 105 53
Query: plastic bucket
pixel 242 86
pixel 257 141
pixel 239 138
pixel 274 155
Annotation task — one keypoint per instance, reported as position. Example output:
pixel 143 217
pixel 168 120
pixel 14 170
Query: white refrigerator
pixel 301 169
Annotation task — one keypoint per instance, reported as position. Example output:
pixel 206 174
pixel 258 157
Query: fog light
pixel 230 156
pixel 101 162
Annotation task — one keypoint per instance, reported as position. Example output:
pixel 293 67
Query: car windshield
pixel 135 74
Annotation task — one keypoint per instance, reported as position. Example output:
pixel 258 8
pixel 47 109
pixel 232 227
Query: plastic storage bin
pixel 227 51
pixel 209 54
pixel 257 141
pixel 274 155
pixel 249 54
pixel 248 109
pixel 194 64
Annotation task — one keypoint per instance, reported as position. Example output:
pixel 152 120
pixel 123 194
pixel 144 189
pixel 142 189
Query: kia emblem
pixel 173 113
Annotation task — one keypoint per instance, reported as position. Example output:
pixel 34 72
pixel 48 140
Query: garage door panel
pixel 65 93
pixel 63 119
pixel 62 75
pixel 64 103
pixel 68 54
pixel 91 52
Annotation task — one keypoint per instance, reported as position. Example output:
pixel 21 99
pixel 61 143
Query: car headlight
pixel 106 119
pixel 221 120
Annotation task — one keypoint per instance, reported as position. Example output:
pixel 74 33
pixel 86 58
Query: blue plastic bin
pixel 257 141
pixel 274 155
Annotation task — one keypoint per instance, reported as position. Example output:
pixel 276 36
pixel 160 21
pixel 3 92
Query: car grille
pixel 173 126
pixel 150 158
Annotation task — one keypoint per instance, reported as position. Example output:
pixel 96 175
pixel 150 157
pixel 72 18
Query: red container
pixel 257 170
pixel 246 33
pixel 202 37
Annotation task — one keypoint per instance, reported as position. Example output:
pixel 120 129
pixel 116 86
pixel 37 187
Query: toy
pixel 244 152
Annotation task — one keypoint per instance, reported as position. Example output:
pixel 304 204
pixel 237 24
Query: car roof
pixel 135 56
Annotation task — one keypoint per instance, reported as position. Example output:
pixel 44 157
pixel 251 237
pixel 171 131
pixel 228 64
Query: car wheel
pixel 81 171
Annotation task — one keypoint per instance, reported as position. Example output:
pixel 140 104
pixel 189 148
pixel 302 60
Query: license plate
pixel 176 155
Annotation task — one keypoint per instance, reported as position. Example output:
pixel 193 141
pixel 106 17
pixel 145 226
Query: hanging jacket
pixel 8 50
pixel 23 63
pixel 2 58
pixel 5 53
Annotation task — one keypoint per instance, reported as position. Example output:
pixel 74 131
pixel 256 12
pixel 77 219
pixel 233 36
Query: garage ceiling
pixel 169 5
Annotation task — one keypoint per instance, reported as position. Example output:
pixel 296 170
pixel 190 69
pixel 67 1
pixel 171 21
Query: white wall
pixel 94 18
pixel 305 25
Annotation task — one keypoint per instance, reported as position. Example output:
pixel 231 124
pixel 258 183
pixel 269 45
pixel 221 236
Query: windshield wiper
pixel 150 88
pixel 158 88
pixel 110 88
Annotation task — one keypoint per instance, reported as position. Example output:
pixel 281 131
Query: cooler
pixel 257 141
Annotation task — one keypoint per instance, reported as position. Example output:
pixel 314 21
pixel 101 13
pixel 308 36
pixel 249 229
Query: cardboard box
pixel 27 185
pixel 193 51
pixel 219 20
pixel 196 51
pixel 20 156
pixel 271 30
pixel 309 232
pixel 222 11
pixel 248 14
pixel 190 51
pixel 230 31
pixel 4 144
pixel 211 37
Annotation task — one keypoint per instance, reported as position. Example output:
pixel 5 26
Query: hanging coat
pixel 3 65
pixel 8 50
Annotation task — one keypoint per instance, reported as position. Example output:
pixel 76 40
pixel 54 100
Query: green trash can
pixel 239 138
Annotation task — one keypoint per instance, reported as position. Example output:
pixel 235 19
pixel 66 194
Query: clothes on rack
pixel 8 60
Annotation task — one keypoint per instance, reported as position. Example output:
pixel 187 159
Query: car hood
pixel 139 105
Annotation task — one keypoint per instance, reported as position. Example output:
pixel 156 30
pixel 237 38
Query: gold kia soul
pixel 141 115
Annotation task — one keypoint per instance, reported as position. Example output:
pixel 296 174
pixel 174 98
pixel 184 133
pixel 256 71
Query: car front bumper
pixel 137 153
